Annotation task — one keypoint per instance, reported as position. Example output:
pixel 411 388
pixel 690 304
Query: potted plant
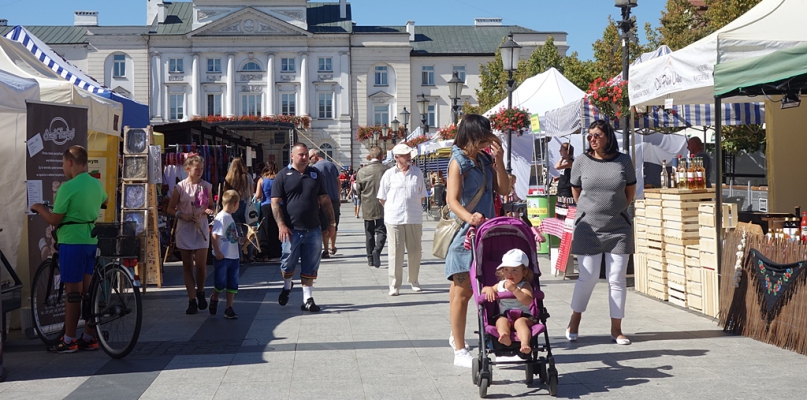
pixel 447 132
pixel 514 119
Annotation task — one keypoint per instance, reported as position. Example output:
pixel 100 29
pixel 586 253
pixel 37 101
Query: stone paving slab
pixel 368 345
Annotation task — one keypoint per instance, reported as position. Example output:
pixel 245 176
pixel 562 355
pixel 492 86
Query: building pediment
pixel 249 22
pixel 381 97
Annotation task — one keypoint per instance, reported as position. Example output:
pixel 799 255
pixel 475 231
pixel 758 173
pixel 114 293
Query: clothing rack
pixel 217 159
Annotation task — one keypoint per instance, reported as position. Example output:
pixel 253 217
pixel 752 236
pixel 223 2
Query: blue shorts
pixel 75 261
pixel 305 246
pixel 226 275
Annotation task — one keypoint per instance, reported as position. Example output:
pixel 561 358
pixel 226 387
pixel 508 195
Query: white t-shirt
pixel 402 193
pixel 227 232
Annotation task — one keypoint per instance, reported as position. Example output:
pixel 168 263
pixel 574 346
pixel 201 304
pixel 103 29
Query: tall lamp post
pixel 626 25
pixel 423 107
pixel 454 93
pixel 405 115
pixel 385 131
pixel 376 134
pixel 394 125
pixel 511 52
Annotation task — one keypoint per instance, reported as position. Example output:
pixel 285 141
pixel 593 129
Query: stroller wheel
pixel 553 381
pixel 475 371
pixel 542 369
pixel 530 372
pixel 483 387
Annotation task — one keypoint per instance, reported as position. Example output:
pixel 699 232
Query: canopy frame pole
pixel 719 183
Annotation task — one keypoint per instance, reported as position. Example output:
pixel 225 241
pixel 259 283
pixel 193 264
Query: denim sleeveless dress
pixel 458 258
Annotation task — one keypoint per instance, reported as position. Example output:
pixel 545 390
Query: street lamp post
pixel 375 138
pixel 385 131
pixel 511 52
pixel 455 91
pixel 626 25
pixel 394 125
pixel 423 107
pixel 405 115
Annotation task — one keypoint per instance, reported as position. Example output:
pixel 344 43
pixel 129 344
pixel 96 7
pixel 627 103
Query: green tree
pixel 492 86
pixel 579 72
pixel 542 59
pixel 720 12
pixel 681 24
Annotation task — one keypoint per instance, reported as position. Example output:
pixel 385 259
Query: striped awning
pixel 573 116
pixel 64 68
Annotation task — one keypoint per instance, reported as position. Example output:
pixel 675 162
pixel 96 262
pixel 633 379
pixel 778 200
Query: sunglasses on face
pixel 595 136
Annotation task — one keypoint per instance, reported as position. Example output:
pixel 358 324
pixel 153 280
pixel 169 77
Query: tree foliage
pixel 720 12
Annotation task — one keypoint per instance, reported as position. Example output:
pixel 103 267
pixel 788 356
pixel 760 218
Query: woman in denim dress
pixel 465 176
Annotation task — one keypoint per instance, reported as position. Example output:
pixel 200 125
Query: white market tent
pixel 102 112
pixel 687 75
pixel 539 94
pixel 14 92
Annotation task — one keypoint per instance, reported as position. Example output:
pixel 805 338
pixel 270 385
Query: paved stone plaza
pixel 368 345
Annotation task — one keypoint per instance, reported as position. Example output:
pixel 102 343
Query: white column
pixel 230 102
pixel 344 80
pixel 304 83
pixel 195 108
pixel 156 86
pixel 269 102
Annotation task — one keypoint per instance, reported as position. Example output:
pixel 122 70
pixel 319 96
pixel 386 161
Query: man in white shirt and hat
pixel 401 192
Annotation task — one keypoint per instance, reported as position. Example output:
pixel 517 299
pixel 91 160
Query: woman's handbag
pixel 448 227
pixel 251 214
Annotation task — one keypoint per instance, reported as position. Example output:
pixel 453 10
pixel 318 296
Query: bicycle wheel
pixel 117 310
pixel 47 303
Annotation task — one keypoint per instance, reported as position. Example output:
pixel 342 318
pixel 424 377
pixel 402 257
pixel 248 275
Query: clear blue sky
pixel 584 20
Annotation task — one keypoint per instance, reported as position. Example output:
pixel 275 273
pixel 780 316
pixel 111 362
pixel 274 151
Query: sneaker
pixel 416 287
pixel 230 314
pixel 463 358
pixel 63 347
pixel 200 297
pixel 192 307
pixel 87 345
pixel 214 305
pixel 451 343
pixel 310 306
pixel 283 299
pixel 393 292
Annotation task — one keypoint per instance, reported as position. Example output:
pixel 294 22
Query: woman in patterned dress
pixel 603 185
pixel 190 203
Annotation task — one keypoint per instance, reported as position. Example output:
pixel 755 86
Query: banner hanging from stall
pixel 51 129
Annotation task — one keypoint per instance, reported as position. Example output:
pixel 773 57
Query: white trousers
pixel 616 266
pixel 399 237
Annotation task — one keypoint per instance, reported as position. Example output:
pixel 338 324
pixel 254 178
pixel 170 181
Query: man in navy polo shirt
pixel 295 193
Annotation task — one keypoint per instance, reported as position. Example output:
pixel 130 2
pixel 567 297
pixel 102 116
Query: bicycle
pixel 109 306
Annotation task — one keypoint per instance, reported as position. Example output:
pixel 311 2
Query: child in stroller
pixel 509 241
pixel 513 313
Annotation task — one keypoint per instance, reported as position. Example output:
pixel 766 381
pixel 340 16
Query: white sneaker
pixel 393 292
pixel 463 358
pixel 451 343
pixel 416 287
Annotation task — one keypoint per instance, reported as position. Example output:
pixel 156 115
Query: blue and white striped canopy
pixel 572 117
pixel 64 68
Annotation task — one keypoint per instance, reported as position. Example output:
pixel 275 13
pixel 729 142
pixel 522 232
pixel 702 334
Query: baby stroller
pixel 491 240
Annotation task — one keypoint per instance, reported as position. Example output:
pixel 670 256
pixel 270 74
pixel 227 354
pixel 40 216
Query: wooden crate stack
pixel 708 253
pixel 693 278
pixel 654 246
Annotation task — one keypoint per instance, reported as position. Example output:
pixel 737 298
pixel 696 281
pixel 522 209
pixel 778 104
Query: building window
pixel 431 116
pixel 381 115
pixel 327 149
pixel 427 75
pixel 325 64
pixel 287 65
pixel 176 106
pixel 175 65
pixel 460 70
pixel 288 103
pixel 214 104
pixel 325 105
pixel 251 104
pixel 251 66
pixel 381 76
pixel 214 65
pixel 119 65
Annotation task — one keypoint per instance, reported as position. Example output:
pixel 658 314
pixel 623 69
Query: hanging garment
pixel 776 283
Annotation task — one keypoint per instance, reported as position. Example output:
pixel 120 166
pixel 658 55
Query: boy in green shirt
pixel 75 209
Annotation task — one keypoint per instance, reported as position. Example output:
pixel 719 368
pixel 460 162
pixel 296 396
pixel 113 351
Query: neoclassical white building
pixel 285 57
